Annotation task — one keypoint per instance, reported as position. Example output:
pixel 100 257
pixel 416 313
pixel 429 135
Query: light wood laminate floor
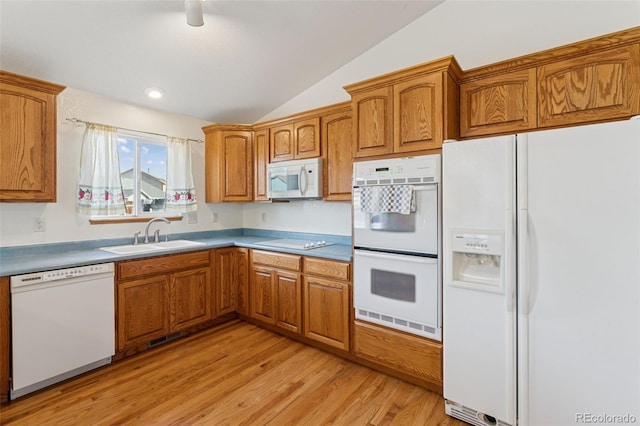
pixel 235 374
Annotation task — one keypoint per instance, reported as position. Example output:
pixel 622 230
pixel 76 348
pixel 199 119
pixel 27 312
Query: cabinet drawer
pixel 161 264
pixel 278 260
pixel 418 357
pixel 327 268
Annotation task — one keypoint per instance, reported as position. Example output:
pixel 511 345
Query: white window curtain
pixel 99 186
pixel 181 192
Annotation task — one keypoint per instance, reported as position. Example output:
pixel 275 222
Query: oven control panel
pixel 408 170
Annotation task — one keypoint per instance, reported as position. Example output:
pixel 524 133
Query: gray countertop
pixel 59 256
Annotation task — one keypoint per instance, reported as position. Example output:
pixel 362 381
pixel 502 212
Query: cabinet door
pixel 238 166
pixel 307 138
pixel 241 267
pixel 501 104
pixel 27 139
pixel 226 287
pixel 281 143
pixel 262 295
pixel 190 298
pixel 4 339
pixel 288 301
pixel 143 313
pixel 417 116
pixel 326 311
pixel 597 87
pixel 373 122
pixel 337 131
pixel 260 162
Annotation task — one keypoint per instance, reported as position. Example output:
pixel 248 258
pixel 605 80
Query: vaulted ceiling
pixel 248 58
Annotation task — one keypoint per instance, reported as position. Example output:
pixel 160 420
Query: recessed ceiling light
pixel 154 92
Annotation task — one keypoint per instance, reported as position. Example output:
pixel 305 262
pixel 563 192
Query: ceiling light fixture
pixel 193 10
pixel 154 92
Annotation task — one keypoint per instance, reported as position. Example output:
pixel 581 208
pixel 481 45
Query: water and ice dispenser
pixel 477 258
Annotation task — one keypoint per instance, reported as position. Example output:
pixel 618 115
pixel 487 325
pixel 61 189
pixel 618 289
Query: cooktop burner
pixel 295 244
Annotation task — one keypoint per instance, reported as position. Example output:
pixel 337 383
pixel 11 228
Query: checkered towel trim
pixel 387 199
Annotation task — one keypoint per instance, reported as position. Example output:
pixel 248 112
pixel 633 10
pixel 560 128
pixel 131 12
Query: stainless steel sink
pixel 150 248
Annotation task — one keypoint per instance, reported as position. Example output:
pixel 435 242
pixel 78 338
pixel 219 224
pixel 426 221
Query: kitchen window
pixel 143 173
pixel 126 176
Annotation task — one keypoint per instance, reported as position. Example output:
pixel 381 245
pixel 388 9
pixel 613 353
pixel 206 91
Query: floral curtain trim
pixel 181 192
pixel 99 185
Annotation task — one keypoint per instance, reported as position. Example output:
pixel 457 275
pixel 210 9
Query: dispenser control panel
pixel 477 243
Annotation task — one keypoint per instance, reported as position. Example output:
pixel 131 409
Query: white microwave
pixel 295 179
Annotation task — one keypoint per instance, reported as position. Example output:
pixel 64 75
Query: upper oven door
pixel 415 232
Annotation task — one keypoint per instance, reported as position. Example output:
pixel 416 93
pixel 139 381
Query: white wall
pixel 477 33
pixel 62 223
pixel 316 217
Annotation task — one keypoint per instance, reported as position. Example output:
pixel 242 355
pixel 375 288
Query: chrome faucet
pixel 157 234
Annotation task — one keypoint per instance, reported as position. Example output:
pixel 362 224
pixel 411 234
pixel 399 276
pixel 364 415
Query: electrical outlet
pixel 192 219
pixel 38 224
pixel 215 217
pixel 263 216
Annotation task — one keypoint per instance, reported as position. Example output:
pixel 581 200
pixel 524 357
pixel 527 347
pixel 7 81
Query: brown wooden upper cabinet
pixel 229 162
pixel 260 161
pixel 300 139
pixel 586 82
pixel 596 87
pixel 407 111
pixel 505 103
pixel 27 138
pixel 337 130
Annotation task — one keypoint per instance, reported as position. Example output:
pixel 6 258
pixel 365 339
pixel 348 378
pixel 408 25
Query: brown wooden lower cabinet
pixel 262 294
pixel 161 295
pixel 411 355
pixel 326 311
pixel 4 339
pixel 241 261
pixel 275 289
pixel 327 301
pixel 231 280
pixel 288 300
pixel 190 298
pixel 143 310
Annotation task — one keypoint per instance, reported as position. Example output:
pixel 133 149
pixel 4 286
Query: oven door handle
pixel 393 256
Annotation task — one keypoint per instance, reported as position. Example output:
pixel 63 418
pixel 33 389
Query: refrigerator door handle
pixel 510 265
pixel 523 318
pixel 523 263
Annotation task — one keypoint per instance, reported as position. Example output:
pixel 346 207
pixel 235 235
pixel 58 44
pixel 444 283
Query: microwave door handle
pixel 302 182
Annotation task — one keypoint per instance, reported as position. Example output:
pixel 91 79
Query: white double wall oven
pixel 397 268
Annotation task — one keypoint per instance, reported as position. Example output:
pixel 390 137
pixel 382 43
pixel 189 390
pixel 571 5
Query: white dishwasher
pixel 62 324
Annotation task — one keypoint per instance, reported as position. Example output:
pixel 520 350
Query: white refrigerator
pixel 541 277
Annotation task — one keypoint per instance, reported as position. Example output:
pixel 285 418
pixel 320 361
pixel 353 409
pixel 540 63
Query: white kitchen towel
pixel 387 199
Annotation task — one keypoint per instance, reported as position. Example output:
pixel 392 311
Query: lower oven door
pixel 399 291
